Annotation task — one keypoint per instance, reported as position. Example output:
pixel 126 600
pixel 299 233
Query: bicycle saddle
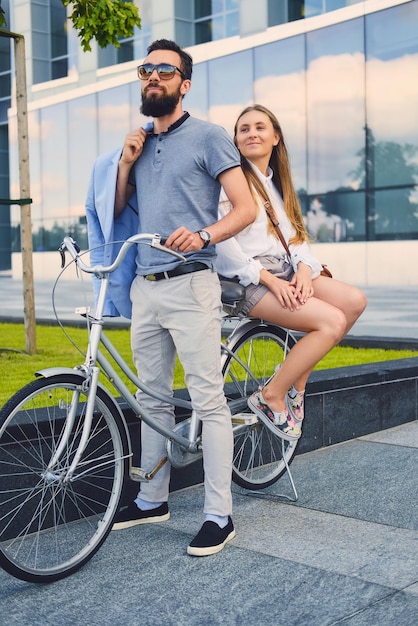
pixel 232 292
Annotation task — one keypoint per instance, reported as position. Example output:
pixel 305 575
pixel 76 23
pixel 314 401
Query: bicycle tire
pixel 50 528
pixel 260 456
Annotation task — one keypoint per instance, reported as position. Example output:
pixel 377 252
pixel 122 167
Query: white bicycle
pixel 65 447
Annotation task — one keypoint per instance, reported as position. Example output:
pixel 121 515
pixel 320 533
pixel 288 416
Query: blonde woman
pixel 285 289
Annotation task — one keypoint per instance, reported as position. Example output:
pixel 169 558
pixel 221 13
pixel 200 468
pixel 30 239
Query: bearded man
pixel 170 173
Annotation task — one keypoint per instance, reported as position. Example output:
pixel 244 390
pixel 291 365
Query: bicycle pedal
pixel 244 419
pixel 138 475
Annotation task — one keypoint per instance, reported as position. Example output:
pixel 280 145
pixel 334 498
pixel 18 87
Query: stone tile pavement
pixel 345 553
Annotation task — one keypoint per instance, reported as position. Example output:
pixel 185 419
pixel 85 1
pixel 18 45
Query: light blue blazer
pixel 103 228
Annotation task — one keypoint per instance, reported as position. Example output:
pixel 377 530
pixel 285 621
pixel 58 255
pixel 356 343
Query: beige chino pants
pixel 183 315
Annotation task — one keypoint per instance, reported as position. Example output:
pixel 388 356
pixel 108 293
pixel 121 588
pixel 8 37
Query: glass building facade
pixel 345 92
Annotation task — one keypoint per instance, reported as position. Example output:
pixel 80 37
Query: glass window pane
pixel 230 87
pixel 232 5
pixel 5 103
pixel 280 86
pixel 107 56
pixel 196 101
pixel 218 28
pixel 203 31
pixel 218 6
pixel 40 17
pixel 396 214
pixel 59 68
pixel 5 86
pixel 126 51
pixel 313 7
pixel 277 13
pixel 202 8
pixel 336 217
pixel 335 99
pixel 82 145
pixel 41 71
pixel 135 117
pixel 184 33
pixel 332 5
pixel 54 174
pixel 58 29
pixel 183 8
pixel 41 46
pixel 392 94
pixel 5 55
pixel 296 10
pixel 114 116
pixel 232 24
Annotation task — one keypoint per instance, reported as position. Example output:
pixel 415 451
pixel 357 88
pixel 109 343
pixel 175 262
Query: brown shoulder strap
pixel 273 219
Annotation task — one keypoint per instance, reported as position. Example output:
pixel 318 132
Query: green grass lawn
pixel 55 349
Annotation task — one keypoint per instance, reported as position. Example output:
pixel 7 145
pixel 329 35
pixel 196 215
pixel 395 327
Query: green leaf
pixel 106 21
pixel 2 17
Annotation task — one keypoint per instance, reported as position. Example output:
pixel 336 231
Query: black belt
pixel 186 268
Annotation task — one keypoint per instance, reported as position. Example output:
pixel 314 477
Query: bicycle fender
pixel 244 327
pixel 53 371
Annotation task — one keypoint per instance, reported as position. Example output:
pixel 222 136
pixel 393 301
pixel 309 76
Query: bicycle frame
pixel 67 447
pixel 188 441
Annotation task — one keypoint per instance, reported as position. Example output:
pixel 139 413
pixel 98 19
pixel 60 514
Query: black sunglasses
pixel 165 71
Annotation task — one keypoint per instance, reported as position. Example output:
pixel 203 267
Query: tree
pixel 103 20
pixel 106 21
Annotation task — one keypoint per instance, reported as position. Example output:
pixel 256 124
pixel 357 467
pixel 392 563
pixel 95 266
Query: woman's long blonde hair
pixel 282 178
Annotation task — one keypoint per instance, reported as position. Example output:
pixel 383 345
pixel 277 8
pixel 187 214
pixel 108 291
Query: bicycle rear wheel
pixel 50 526
pixel 260 457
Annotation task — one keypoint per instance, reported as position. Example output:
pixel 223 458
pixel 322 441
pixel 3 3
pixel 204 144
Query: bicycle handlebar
pixel 155 241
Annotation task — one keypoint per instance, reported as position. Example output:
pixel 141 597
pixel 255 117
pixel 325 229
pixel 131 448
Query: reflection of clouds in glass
pixel 76 210
pixel 336 119
pixel 413 198
pixel 114 117
pixel 226 115
pixel 35 189
pixel 46 129
pixel 34 129
pixel 54 183
pixel 197 112
pixel 391 98
pixel 285 96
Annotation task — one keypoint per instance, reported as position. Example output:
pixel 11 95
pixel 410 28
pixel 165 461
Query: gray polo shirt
pixel 176 185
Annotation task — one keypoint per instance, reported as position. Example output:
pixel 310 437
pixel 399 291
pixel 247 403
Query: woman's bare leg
pixel 325 318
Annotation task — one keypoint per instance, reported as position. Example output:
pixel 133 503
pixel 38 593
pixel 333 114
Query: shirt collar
pixel 267 180
pixel 176 124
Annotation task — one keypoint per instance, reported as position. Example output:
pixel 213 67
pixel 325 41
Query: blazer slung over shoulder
pixel 103 228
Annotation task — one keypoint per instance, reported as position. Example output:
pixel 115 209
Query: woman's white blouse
pixel 235 256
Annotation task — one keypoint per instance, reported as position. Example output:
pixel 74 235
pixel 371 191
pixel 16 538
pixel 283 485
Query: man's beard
pixel 156 105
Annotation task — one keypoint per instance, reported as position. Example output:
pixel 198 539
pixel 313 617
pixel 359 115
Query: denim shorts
pixel 253 293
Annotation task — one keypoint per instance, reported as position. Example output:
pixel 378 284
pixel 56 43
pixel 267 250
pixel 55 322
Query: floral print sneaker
pixel 280 424
pixel 295 401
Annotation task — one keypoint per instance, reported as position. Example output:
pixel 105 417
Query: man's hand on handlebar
pixel 184 240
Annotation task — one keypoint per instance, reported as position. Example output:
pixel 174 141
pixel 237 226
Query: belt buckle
pixel 150 277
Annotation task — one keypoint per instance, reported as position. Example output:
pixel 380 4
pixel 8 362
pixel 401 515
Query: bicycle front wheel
pixel 52 524
pixel 260 457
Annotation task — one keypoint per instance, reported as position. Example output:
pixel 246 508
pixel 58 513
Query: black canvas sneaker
pixel 211 539
pixel 131 515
